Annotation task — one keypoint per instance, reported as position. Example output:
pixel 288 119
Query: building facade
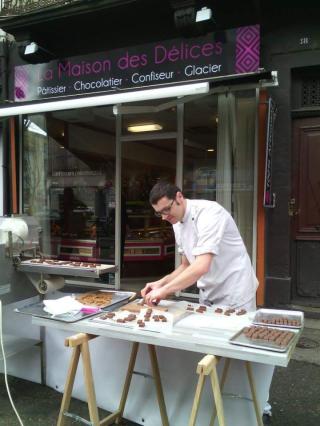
pixel 87 162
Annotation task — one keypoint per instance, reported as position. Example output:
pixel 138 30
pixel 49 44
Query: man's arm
pixel 185 279
pixel 167 278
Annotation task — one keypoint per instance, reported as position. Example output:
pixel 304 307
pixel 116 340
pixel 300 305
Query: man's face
pixel 171 210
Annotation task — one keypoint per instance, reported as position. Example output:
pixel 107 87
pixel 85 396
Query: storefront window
pixel 69 168
pixel 69 182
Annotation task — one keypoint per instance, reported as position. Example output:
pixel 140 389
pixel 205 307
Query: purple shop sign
pixel 233 51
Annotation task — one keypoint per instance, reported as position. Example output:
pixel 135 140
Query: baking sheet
pixel 240 339
pixel 269 314
pixel 63 269
pixel 36 309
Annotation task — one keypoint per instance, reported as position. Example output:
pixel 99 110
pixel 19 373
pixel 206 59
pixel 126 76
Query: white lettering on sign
pixel 304 41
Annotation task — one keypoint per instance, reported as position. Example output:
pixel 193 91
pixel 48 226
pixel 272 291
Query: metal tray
pixel 36 309
pixel 240 339
pixel 56 269
pixel 269 314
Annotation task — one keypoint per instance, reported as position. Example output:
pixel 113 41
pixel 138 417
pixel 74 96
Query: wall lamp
pixel 32 53
pixel 19 108
pixel 191 22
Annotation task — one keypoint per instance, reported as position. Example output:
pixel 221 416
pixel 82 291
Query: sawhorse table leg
pixel 79 343
pixel 254 394
pixel 157 380
pixel 208 367
pixel 252 388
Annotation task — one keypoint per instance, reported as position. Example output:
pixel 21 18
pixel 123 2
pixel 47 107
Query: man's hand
pixel 154 296
pixel 151 286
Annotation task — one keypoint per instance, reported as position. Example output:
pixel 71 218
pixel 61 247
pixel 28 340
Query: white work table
pixel 215 342
pixel 178 357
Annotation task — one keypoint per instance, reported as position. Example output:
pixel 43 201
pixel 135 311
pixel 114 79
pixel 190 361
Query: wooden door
pixel 304 209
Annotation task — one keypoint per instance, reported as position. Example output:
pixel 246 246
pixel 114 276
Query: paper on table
pixel 202 322
pixel 62 306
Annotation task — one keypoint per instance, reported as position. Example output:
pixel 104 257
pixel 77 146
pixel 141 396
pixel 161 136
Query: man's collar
pixel 187 211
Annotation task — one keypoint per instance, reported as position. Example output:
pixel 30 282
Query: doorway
pixel 148 154
pixel 204 144
pixel 304 209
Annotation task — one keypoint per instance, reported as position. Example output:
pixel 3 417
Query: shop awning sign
pixel 234 51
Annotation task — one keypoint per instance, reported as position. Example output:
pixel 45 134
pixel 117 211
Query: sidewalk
pixel 294 392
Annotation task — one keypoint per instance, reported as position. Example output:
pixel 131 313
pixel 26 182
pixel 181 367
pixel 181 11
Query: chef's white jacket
pixel 208 228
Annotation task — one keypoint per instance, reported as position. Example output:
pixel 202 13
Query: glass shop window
pixel 68 182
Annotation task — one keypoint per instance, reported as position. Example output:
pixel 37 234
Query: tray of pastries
pixel 279 318
pixel 262 337
pixel 97 300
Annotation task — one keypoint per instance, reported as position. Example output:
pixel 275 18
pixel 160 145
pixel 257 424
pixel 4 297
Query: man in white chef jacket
pixel 213 253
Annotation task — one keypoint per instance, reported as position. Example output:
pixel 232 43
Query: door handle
pixel 292 210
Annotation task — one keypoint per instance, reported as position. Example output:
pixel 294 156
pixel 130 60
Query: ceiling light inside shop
pixel 210 150
pixel 150 127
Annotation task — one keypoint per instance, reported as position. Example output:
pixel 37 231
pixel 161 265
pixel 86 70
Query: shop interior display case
pixel 82 223
pixel 146 238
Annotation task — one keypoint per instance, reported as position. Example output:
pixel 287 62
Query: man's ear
pixel 179 197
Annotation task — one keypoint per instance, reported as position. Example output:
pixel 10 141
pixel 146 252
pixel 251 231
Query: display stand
pixel 79 343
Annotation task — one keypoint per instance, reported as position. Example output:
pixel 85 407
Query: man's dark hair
pixel 163 189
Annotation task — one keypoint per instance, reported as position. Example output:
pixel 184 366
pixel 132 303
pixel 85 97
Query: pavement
pixel 294 393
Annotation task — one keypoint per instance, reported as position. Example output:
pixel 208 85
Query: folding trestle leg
pixel 208 367
pixel 157 380
pixel 79 343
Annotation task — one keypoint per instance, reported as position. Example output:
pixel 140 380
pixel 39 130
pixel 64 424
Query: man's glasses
pixel 165 211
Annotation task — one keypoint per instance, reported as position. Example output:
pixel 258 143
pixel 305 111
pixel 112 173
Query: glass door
pixel 148 153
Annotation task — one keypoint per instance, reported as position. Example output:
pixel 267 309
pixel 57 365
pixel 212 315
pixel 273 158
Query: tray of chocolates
pixel 262 337
pixel 157 319
pixel 279 318
pixel 65 267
